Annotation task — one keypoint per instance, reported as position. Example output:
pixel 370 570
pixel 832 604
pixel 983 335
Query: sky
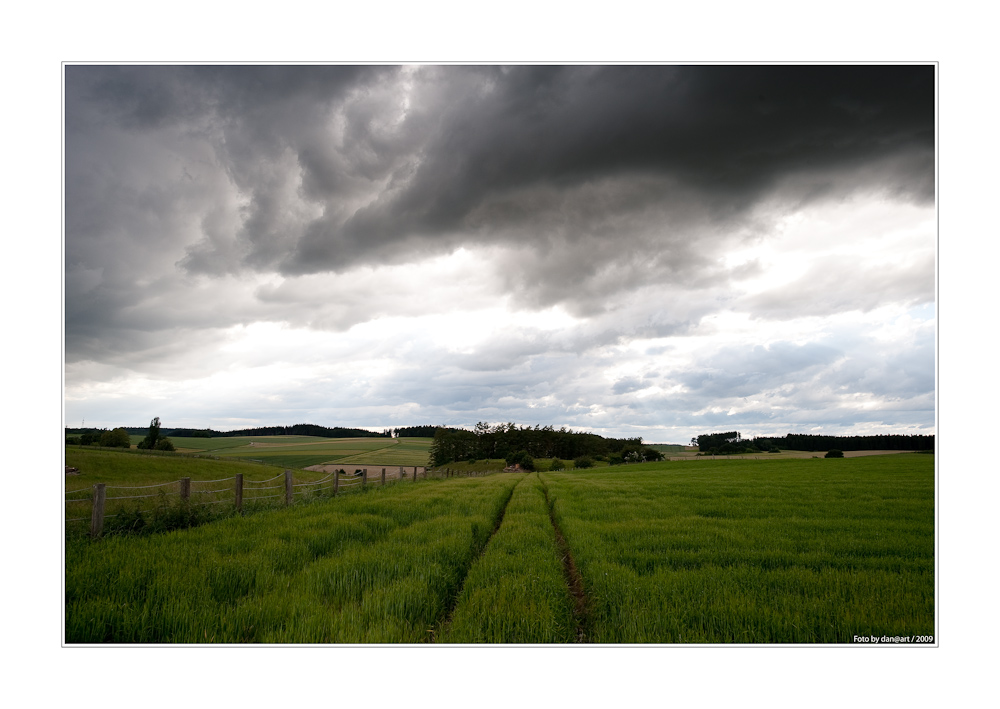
pixel 634 250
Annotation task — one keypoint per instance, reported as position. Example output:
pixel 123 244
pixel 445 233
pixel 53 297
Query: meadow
pixel 378 567
pixel 714 551
pixel 734 551
pixel 304 451
pixel 516 592
pixel 149 484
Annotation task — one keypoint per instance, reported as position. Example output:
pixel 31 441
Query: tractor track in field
pixel 442 626
pixel 581 606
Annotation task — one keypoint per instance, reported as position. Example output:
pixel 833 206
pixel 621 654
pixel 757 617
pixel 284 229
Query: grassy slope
pixel 129 475
pixel 304 451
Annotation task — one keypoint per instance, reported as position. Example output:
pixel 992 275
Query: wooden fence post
pixel 414 473
pixel 364 477
pixel 185 490
pixel 288 487
pixel 97 511
pixel 383 477
pixel 336 482
pixel 239 492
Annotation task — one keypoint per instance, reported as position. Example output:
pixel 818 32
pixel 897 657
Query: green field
pixel 799 551
pixel 150 483
pixel 305 451
pixel 666 447
pixel 531 603
pixel 713 551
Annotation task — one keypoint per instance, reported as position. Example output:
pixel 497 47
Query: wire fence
pixel 203 493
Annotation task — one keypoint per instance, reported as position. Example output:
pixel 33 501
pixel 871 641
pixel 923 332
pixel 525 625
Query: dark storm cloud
pixel 585 184
pixel 501 154
pixel 680 154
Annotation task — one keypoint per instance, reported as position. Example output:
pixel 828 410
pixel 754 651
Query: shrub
pixel 834 454
pixel 584 461
pixel 521 458
pixel 165 444
pixel 117 438
pixel 651 454
pixel 556 464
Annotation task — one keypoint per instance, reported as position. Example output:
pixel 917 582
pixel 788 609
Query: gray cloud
pixel 839 284
pixel 199 199
pixel 339 166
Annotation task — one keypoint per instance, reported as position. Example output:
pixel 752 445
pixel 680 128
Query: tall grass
pixel 516 593
pixel 143 491
pixel 797 551
pixel 379 567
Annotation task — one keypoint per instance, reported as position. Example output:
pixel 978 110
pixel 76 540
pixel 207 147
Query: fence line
pixel 98 494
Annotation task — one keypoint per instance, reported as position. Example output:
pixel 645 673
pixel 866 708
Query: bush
pixel 556 464
pixel 90 438
pixel 584 461
pixel 117 438
pixel 521 458
pixel 834 454
pixel 165 444
pixel 651 455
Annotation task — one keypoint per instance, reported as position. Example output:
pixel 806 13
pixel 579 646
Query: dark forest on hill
pixel 502 440
pixel 299 429
pixel 733 442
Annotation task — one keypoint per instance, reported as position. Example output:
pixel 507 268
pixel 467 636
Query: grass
pixel 133 477
pixel 794 551
pixel 383 566
pixel 516 593
pixel 301 451
pixel 725 551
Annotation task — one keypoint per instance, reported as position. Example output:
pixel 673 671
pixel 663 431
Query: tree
pixel 165 444
pixel 651 455
pixel 149 442
pixel 521 458
pixel 118 438
pixel 834 454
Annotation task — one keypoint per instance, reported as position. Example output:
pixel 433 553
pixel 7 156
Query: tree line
pixel 732 442
pixel 119 437
pixel 415 431
pixel 299 429
pixel 521 444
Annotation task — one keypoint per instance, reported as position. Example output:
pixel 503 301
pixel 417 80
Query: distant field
pixel 304 451
pixel 666 447
pixel 692 454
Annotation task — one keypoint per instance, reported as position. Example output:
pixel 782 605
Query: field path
pixel 442 627
pixel 573 578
